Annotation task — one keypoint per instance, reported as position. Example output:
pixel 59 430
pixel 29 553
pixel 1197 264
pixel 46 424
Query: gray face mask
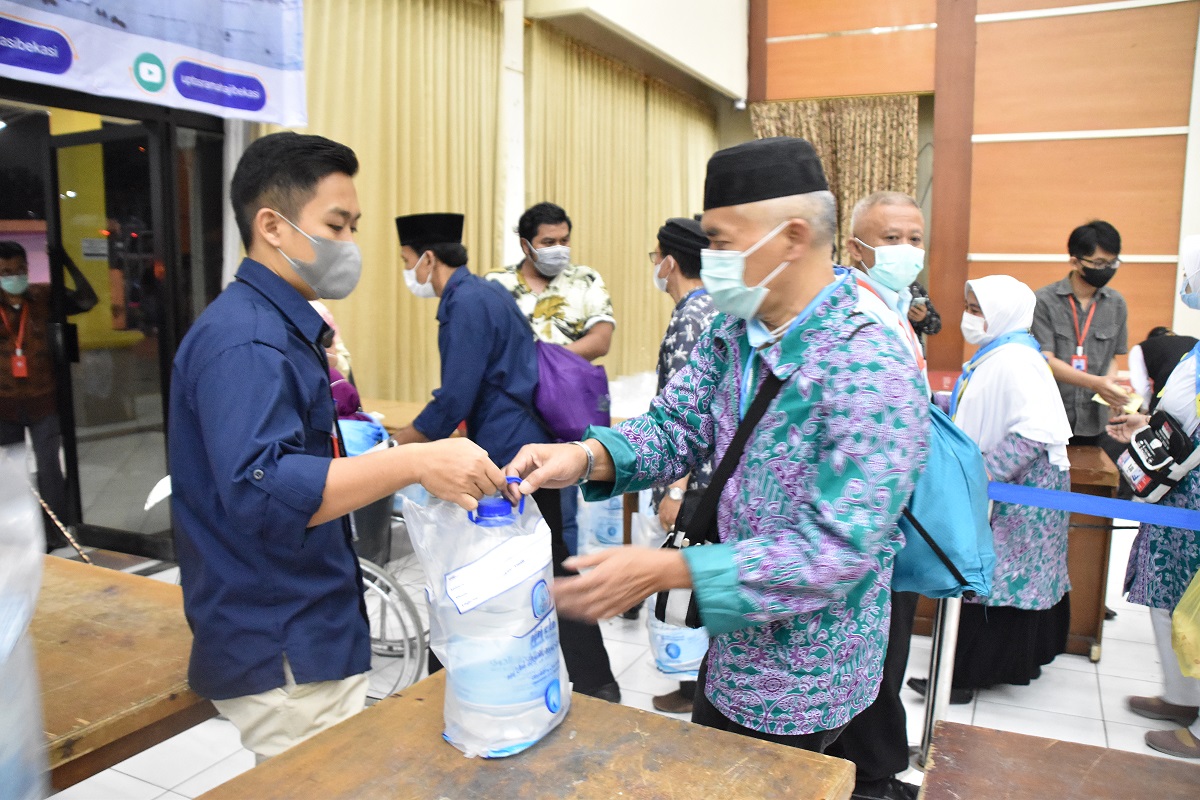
pixel 335 270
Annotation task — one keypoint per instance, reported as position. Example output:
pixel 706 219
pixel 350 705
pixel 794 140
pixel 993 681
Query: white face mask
pixel 420 290
pixel 660 281
pixel 724 273
pixel 550 261
pixel 974 328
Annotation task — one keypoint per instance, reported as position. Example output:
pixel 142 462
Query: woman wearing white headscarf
pixel 1164 560
pixel 1007 401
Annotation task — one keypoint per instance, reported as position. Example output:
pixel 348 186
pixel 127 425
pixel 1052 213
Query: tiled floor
pixel 1074 700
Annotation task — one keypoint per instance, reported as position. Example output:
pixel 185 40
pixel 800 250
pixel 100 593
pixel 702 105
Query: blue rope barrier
pixel 1096 506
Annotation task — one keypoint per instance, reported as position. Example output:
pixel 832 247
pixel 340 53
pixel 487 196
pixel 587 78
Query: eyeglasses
pixel 1116 262
pixel 654 258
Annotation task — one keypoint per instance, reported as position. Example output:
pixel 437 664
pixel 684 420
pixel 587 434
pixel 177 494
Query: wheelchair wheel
pixel 396 629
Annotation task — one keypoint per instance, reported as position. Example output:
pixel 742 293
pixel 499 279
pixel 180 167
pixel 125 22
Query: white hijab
pixel 1012 389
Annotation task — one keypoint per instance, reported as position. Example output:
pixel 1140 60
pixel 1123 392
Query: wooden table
pixel 396 413
pixel 395 750
pixel 112 653
pixel 1088 545
pixel 969 762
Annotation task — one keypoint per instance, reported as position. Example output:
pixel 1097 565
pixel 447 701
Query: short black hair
pixel 451 254
pixel 539 215
pixel 1160 330
pixel 1096 234
pixel 689 262
pixel 9 249
pixel 281 171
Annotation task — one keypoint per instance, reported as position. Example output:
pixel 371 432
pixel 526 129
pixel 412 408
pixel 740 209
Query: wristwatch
pixel 675 493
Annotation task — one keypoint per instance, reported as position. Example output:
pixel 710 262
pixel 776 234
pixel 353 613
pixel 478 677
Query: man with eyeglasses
pixel 1080 324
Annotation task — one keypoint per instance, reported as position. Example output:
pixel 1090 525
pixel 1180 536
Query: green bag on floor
pixel 1185 629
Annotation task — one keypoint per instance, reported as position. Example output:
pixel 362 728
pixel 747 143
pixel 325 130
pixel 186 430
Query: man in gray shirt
pixel 1080 324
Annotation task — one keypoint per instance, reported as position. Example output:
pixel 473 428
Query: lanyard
pixel 748 372
pixel 20 327
pixel 960 386
pixel 695 293
pixel 1079 337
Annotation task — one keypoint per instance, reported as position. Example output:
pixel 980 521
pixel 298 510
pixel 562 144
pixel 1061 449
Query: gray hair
pixel 818 209
pixel 878 199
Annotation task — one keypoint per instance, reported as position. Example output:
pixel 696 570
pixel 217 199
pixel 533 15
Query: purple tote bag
pixel 572 393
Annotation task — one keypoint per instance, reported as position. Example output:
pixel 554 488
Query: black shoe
pixel 633 612
pixel 1109 614
pixel 958 697
pixel 889 789
pixel 609 691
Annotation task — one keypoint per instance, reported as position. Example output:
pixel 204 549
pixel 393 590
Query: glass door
pixel 105 225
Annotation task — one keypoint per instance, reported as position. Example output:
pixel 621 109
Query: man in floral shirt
pixel 796 595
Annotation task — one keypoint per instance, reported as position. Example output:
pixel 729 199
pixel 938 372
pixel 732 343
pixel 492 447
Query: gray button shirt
pixel 1107 337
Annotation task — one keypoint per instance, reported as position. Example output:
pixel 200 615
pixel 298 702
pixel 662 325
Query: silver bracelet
pixel 591 463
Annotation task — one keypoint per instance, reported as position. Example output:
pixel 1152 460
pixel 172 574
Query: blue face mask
pixel 724 276
pixel 14 284
pixel 896 265
pixel 1188 296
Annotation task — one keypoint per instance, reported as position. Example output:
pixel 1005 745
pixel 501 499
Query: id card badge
pixel 1079 362
pixel 20 367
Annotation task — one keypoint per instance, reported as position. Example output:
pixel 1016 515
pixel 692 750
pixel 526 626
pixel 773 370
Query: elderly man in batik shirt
pixel 796 594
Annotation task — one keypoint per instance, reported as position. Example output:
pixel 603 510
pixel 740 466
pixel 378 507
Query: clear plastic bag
pixel 492 623
pixel 601 524
pixel 22 743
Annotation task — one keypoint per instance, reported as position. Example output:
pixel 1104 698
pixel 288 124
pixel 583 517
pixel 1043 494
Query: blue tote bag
pixel 948 550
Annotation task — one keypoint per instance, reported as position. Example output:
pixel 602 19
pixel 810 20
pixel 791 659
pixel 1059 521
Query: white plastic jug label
pixel 505 671
pixel 500 569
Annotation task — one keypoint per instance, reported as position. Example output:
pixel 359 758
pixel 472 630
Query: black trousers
pixel 582 645
pixel 706 714
pixel 877 739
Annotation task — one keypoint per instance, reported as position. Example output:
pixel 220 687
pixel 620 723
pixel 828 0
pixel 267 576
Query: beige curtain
pixel 621 153
pixel 413 87
pixel 867 144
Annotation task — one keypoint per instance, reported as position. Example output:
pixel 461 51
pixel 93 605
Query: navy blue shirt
pixel 251 439
pixel 489 369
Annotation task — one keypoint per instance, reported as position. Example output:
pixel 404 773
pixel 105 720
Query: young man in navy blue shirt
pixel 271 584
pixel 489 372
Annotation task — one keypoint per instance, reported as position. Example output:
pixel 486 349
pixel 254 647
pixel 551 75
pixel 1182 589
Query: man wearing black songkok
pixel 795 592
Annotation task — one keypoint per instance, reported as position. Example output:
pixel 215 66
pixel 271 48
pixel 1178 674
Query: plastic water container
pixel 677 651
pixel 601 524
pixel 492 623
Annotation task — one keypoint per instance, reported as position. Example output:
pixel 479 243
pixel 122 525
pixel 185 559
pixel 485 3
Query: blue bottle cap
pixel 492 512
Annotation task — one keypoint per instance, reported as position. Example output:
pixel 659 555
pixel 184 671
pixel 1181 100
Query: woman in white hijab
pixel 1164 560
pixel 1007 401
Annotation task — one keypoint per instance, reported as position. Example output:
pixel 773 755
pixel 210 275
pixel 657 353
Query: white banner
pixel 232 58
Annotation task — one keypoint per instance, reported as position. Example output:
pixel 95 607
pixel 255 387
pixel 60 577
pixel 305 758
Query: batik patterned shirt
pixel 1031 543
pixel 573 301
pixel 691 317
pixel 797 595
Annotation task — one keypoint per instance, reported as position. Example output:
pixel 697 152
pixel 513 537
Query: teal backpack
pixel 948 550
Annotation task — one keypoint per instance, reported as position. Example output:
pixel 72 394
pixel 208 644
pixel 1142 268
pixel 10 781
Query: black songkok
pixel 683 236
pixel 419 230
pixel 762 170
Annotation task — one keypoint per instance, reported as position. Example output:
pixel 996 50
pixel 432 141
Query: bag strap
pixel 937 550
pixel 705 519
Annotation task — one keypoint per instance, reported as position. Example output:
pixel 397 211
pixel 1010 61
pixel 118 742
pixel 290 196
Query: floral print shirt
pixel 573 301
pixel 797 595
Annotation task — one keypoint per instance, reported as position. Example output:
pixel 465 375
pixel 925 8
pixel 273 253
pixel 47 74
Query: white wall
pixel 707 39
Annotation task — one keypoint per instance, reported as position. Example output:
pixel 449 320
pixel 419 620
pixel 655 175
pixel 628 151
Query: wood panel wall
pixel 1102 70
pixel 846 63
